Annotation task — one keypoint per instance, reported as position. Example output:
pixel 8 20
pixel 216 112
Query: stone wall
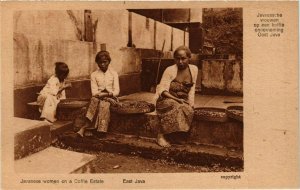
pixel 34 58
pixel 222 76
pixel 49 24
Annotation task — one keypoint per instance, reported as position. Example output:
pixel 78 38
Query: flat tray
pixel 235 112
pixel 72 103
pixel 210 114
pixel 132 107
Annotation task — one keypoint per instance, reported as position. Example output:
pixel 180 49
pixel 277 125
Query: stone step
pixel 30 136
pixel 194 154
pixel 58 128
pixel 227 134
pixel 52 160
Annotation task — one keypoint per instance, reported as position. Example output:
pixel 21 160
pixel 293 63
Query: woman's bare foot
pixel 81 132
pixel 161 141
pixel 88 133
pixel 48 122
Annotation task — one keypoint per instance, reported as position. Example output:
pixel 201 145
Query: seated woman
pixel 53 92
pixel 105 88
pixel 175 96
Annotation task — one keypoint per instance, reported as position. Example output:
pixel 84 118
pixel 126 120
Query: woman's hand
pixel 104 94
pixel 181 101
pixel 112 101
pixel 101 95
pixel 59 95
pixel 68 85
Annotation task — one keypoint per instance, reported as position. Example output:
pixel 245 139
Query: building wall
pixel 34 58
pixel 163 33
pixel 142 26
pixel 177 38
pixel 44 37
pixel 49 24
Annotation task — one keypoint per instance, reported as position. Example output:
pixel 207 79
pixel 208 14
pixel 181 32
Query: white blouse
pixel 169 75
pixel 108 80
pixel 52 87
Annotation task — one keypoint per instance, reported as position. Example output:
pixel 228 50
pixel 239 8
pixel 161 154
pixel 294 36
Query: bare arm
pixel 65 86
pixel 168 95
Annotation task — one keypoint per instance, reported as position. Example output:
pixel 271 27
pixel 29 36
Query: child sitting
pixel 53 92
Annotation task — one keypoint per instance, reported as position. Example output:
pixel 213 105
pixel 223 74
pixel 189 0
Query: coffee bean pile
pixel 238 113
pixel 210 113
pixel 71 102
pixel 235 112
pixel 133 107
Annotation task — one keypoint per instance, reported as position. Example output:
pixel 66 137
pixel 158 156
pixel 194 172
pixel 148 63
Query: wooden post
pixel 184 37
pixel 171 39
pixel 129 44
pixel 103 47
pixel 154 45
pixel 88 26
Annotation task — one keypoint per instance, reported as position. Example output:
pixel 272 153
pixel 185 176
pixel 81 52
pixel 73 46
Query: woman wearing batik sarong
pixel 175 96
pixel 105 88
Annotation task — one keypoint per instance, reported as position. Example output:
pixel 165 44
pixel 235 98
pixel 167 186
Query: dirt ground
pixel 117 163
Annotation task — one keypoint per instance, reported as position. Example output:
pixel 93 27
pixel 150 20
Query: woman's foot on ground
pixel 161 141
pixel 81 132
pixel 48 122
pixel 88 133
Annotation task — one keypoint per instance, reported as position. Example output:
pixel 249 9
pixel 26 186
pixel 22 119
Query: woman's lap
pixel 174 117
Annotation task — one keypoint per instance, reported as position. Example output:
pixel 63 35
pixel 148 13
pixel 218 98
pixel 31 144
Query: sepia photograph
pixel 128 91
pixel 135 95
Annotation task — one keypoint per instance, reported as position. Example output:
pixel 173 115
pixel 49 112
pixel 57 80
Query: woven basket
pixel 235 112
pixel 133 107
pixel 69 109
pixel 210 114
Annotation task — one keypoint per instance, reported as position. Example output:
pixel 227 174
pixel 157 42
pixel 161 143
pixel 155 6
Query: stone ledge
pixel 147 148
pixel 30 137
pixel 60 127
pixel 227 134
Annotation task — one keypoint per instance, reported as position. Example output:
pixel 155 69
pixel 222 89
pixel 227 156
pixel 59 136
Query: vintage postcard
pixel 149 95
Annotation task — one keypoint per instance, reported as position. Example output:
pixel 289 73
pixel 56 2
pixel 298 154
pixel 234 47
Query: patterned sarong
pixel 98 112
pixel 175 117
